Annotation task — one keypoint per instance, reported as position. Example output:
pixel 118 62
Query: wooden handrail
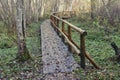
pixel 80 50
pixel 71 25
pixel 69 42
pixel 64 12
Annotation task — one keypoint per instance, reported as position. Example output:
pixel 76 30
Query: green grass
pixel 12 70
pixel 98 45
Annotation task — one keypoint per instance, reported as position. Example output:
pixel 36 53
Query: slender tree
pixel 93 5
pixel 23 53
pixel 42 8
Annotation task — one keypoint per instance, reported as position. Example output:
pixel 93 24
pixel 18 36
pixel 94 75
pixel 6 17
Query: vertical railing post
pixel 51 18
pixel 62 26
pixel 69 36
pixel 57 21
pixel 55 24
pixel 82 49
pixel 63 39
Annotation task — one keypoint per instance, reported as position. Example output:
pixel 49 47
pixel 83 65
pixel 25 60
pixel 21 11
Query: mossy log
pixel 117 51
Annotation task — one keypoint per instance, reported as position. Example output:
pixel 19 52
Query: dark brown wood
pixel 66 17
pixel 68 41
pixel 69 32
pixel 65 33
pixel 117 51
pixel 82 49
pixel 69 37
pixel 66 36
pixel 52 18
pixel 91 60
pixel 62 26
pixel 53 22
pixel 63 39
pixel 57 22
pixel 79 30
pixel 75 44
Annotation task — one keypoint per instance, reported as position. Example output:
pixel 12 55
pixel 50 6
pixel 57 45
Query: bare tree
pixel 36 10
pixel 28 11
pixel 56 6
pixel 42 7
pixel 23 53
pixel 107 10
pixel 7 15
pixel 93 5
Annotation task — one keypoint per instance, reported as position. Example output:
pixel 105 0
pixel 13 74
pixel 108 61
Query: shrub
pixel 5 41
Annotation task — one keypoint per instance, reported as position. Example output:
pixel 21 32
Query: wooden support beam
pixel 63 39
pixel 69 37
pixel 82 49
pixel 91 60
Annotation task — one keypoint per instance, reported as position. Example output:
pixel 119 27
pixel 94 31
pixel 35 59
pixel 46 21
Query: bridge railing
pixel 66 35
pixel 65 14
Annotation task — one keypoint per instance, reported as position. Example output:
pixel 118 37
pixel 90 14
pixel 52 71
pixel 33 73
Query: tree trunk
pixel 56 6
pixel 23 53
pixel 93 2
pixel 36 10
pixel 42 7
pixel 30 12
pixel 107 10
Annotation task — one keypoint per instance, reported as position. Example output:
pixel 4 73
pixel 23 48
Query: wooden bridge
pixel 58 62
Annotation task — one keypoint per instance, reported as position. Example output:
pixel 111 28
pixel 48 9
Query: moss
pixel 24 56
pixel 5 41
pixel 98 45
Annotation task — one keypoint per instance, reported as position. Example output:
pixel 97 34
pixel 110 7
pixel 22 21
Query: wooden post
pixel 82 49
pixel 51 18
pixel 63 39
pixel 57 24
pixel 55 21
pixel 69 36
pixel 62 26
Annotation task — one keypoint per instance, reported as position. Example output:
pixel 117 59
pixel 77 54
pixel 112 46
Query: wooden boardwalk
pixel 58 62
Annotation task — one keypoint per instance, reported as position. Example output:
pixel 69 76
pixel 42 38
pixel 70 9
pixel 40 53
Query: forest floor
pixel 58 62
pixel 29 70
pixel 98 45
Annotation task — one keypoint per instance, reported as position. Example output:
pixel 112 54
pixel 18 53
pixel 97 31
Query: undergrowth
pixel 98 45
pixel 12 70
